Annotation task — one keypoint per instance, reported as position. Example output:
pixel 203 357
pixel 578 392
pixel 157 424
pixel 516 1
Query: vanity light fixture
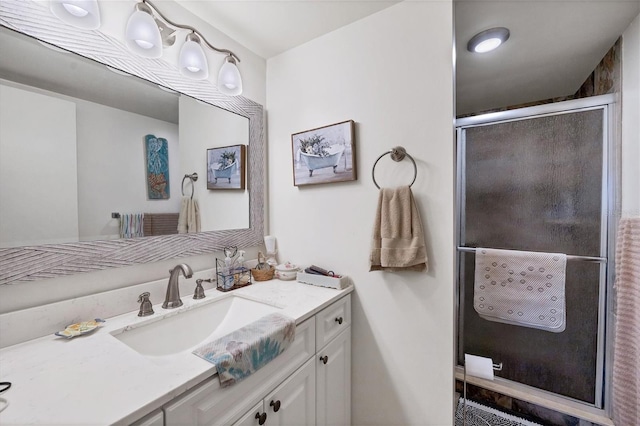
pixel 193 62
pixel 488 40
pixel 148 29
pixel 78 13
pixel 142 33
pixel 229 80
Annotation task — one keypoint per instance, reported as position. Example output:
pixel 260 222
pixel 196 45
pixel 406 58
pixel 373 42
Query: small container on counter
pixel 287 271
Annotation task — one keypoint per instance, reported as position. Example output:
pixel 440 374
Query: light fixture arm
pixel 148 4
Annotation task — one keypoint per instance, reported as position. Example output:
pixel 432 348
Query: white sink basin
pixel 187 329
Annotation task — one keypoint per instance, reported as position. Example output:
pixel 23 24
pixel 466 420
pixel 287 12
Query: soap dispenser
pixel 240 260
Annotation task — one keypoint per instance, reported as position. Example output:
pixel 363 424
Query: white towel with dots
pixel 521 288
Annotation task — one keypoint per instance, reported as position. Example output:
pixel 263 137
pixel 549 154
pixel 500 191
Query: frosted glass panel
pixel 536 184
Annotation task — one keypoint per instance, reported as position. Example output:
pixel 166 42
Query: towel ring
pixel 398 154
pixel 193 178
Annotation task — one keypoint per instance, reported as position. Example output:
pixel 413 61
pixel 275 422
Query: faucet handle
pixel 199 291
pixel 146 307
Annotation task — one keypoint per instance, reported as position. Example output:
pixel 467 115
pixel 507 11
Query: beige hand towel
pixel 193 216
pixel 189 218
pixel 398 238
pixel 183 218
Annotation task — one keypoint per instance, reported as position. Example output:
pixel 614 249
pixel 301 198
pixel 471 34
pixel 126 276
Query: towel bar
pixel 397 154
pixel 569 256
pixel 193 178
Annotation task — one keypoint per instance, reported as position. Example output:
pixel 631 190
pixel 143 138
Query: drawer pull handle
pixel 324 359
pixel 275 405
pixel 261 418
pixel 339 320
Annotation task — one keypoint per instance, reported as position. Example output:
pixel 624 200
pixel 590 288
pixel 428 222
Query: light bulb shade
pixel 488 40
pixel 193 62
pixel 143 36
pixel 83 14
pixel 229 79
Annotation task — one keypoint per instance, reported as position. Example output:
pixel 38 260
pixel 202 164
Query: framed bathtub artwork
pixel 324 155
pixel 226 167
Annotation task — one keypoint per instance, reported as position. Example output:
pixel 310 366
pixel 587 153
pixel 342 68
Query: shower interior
pixel 540 179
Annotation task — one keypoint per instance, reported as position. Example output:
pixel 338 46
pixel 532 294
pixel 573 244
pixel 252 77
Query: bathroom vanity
pixel 101 378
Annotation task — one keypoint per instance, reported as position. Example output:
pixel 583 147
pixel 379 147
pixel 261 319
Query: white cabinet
pixel 332 321
pixel 305 389
pixel 333 387
pixel 293 403
pixel 255 416
pixel 210 404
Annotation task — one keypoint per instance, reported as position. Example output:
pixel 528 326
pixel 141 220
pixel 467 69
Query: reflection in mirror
pixel 36 262
pixel 73 152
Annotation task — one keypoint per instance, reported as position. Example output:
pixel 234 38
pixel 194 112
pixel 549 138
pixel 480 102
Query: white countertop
pixel 96 379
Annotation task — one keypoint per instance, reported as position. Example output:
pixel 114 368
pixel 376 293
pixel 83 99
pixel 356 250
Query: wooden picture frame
pixel 325 154
pixel 226 167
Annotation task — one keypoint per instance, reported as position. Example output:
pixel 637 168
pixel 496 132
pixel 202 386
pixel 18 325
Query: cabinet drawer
pixel 332 321
pixel 210 404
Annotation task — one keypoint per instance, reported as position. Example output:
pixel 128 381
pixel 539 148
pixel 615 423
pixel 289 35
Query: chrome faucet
pixel 172 299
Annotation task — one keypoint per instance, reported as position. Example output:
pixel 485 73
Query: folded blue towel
pixel 240 353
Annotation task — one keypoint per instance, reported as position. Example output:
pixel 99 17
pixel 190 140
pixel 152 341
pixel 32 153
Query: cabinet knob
pixel 324 359
pixel 339 320
pixel 275 405
pixel 261 418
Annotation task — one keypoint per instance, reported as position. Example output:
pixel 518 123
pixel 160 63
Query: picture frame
pixel 156 153
pixel 325 154
pixel 226 167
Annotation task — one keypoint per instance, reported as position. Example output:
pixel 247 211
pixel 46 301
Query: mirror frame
pixel 32 263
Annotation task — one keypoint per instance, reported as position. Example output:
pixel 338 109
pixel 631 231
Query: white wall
pixel 392 73
pixel 112 167
pixel 203 127
pixel 631 119
pixel 38 189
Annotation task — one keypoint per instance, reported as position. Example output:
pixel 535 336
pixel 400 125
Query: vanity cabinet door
pixel 254 417
pixel 333 385
pixel 293 403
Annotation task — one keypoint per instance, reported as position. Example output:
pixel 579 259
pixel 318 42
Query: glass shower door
pixel 536 184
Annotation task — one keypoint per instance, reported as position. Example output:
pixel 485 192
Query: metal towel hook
pixel 397 154
pixel 193 178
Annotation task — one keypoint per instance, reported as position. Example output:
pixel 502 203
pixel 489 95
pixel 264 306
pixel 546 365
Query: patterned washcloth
pixel 521 288
pixel 240 353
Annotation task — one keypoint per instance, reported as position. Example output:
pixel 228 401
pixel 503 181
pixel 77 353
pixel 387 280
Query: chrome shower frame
pixel 609 219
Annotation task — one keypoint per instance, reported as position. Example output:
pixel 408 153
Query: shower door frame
pixel 610 163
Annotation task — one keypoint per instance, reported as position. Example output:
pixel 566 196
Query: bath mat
pixel 242 352
pixel 521 288
pixel 481 415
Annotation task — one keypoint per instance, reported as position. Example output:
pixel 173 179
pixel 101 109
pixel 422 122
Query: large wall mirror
pixel 72 159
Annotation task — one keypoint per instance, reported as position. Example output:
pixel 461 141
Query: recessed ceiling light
pixel 488 40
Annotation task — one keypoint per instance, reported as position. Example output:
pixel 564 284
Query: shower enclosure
pixel 539 179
